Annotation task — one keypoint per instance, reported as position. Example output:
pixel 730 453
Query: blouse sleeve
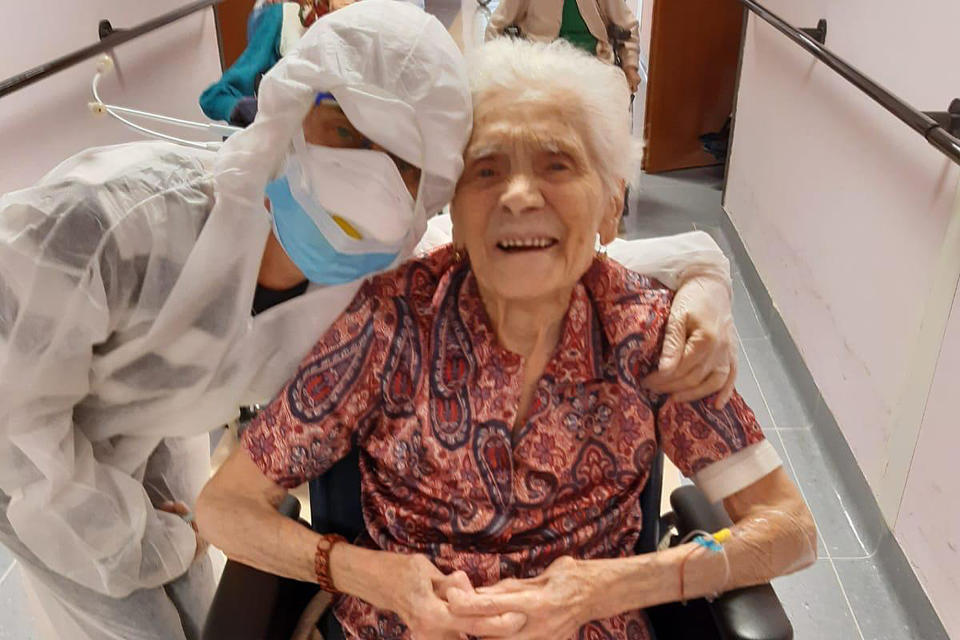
pixel 311 423
pixel 721 450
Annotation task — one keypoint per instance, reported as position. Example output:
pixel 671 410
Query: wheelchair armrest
pixel 752 613
pixel 249 603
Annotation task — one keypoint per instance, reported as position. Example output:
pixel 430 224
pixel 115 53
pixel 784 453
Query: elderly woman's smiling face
pixel 530 202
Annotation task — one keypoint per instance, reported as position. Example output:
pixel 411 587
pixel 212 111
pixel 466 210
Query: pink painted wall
pixel 163 71
pixel 844 211
pixel 929 523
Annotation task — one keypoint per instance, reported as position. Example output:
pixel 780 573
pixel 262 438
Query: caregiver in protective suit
pixel 127 277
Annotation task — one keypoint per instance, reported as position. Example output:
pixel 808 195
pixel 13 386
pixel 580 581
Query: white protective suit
pixel 126 281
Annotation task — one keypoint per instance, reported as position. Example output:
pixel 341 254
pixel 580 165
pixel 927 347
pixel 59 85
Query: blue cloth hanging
pixel 220 100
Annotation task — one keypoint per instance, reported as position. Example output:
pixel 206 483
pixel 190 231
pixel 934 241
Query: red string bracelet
pixel 321 563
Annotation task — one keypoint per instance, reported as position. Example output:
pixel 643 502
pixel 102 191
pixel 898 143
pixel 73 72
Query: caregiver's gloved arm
pixel 699 354
pixel 673 259
pixel 85 520
pixel 237 511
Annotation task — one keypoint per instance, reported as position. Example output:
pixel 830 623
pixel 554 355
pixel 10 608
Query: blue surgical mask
pixel 304 238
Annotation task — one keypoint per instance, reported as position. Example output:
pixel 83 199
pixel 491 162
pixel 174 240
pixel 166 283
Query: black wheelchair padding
pixel 335 499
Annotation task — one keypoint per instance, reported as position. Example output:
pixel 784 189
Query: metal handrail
pixel 115 38
pixel 920 122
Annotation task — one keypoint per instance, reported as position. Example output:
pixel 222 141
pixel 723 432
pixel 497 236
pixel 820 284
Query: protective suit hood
pixel 399 78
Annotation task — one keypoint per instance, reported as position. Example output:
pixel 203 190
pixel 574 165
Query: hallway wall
pixel 163 72
pixel 845 212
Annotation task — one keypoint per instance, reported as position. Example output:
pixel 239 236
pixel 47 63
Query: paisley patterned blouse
pixel 413 375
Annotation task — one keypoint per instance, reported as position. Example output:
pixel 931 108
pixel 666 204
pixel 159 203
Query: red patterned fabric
pixel 412 372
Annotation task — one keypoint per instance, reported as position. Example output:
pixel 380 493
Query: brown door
pixel 694 48
pixel 232 22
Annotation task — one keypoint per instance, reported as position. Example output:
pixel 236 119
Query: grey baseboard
pixel 859 501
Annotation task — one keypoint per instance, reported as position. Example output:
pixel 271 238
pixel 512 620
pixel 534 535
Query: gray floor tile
pixel 721 239
pixel 705 178
pixel 14 620
pixel 657 198
pixel 819 485
pixel 877 606
pixel 655 224
pixel 783 399
pixel 749 388
pixel 814 602
pixel 777 441
pixel 848 479
pixel 745 315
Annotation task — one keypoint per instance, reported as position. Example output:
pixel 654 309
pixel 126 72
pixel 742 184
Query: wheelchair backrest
pixel 335 501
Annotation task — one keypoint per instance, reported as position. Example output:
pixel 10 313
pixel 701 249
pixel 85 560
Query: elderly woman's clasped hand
pixel 436 606
pixel 553 605
pixel 421 595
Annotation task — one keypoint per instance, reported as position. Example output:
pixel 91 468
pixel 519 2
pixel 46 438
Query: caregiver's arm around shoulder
pixel 699 354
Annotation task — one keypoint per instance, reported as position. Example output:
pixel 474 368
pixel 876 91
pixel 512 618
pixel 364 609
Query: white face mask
pixel 361 186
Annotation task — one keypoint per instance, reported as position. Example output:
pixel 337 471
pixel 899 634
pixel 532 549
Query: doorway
pixel 693 56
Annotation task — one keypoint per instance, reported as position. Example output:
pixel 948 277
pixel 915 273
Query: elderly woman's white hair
pixel 557 70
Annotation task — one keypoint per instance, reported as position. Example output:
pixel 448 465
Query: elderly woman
pixel 493 390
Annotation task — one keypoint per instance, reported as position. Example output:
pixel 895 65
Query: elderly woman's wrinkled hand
pixel 555 604
pixel 419 595
pixel 699 354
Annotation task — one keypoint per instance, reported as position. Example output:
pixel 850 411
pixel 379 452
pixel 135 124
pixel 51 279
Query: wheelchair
pixel 251 604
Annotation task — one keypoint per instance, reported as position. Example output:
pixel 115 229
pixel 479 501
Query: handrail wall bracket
pixel 939 129
pixel 819 32
pixel 105 30
pixel 949 119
